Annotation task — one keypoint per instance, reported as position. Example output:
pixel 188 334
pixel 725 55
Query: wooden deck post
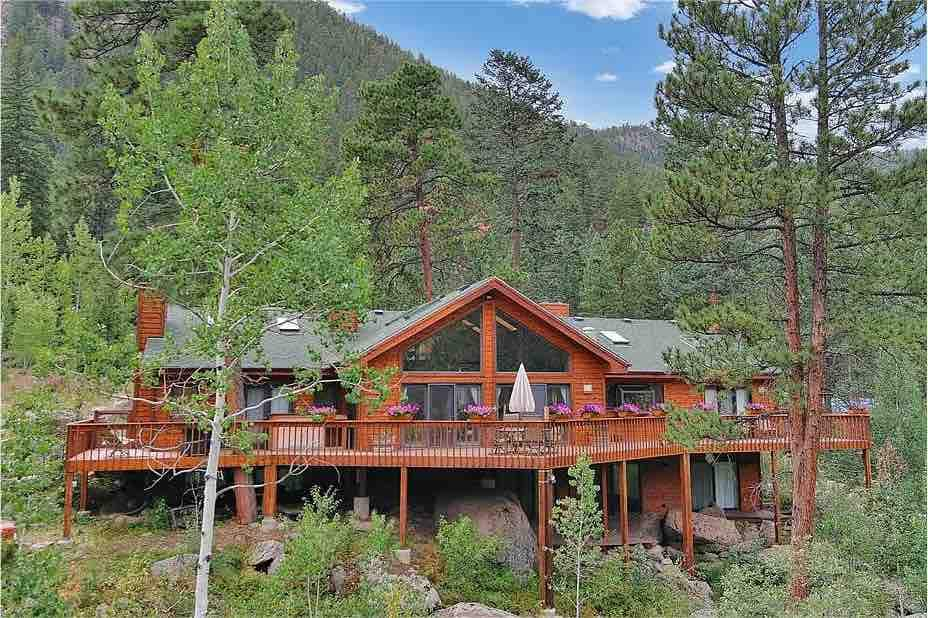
pixel 68 499
pixel 775 481
pixel 361 480
pixel 85 480
pixel 604 490
pixel 868 473
pixel 686 512
pixel 623 506
pixel 246 502
pixel 269 501
pixel 545 594
pixel 404 503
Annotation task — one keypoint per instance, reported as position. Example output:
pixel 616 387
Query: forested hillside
pixel 598 180
pixel 248 157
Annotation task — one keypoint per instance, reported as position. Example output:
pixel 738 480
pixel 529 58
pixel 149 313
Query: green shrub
pixel 380 539
pixel 618 588
pixel 471 573
pixel 157 517
pixel 31 582
pixel 32 466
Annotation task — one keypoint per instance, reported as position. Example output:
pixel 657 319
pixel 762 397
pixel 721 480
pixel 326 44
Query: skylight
pixel 287 325
pixel 613 336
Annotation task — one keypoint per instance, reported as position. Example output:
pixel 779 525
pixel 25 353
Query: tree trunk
pixel 516 236
pixel 805 459
pixel 210 490
pixel 425 254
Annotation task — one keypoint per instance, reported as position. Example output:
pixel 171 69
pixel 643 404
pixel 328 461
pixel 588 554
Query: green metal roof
pixel 647 339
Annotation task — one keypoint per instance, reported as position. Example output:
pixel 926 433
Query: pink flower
pixel 403 409
pixel 632 408
pixel 477 411
pixel 561 409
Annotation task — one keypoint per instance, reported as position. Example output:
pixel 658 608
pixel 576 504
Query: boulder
pixel 269 524
pixel 645 528
pixel 713 511
pixel 376 574
pixel 497 514
pixel 706 529
pixel 338 578
pixel 175 566
pixel 472 610
pixel 267 556
pixel 656 552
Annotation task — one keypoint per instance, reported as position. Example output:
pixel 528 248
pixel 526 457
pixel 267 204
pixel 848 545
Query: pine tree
pixel 520 136
pixel 406 141
pixel 750 202
pixel 25 152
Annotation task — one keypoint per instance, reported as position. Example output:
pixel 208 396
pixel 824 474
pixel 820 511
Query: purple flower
pixel 560 409
pixel 321 411
pixel 632 408
pixel 592 409
pixel 756 407
pixel 403 409
pixel 706 407
pixel 477 411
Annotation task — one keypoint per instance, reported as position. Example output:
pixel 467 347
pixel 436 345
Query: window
pixel 442 402
pixel 517 344
pixel 255 394
pixel 543 394
pixel 454 348
pixel 327 395
pixel 642 395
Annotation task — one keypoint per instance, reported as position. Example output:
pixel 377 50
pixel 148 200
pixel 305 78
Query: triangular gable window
pixel 454 348
pixel 516 344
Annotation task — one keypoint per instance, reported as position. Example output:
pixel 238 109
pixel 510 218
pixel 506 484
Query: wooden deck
pixel 121 446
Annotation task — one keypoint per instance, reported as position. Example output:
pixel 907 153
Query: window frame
pixel 456 414
pixel 268 389
pixel 499 314
pixel 459 320
pixel 547 386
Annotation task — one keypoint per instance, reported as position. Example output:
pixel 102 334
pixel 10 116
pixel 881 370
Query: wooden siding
pixel 585 375
pixel 150 316
pixel 682 394
pixel 748 481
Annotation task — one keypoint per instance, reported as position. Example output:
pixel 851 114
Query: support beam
pixel 85 481
pixel 604 490
pixel 868 473
pixel 686 512
pixel 68 499
pixel 246 501
pixel 269 502
pixel 545 594
pixel 775 481
pixel 623 506
pixel 361 480
pixel 404 503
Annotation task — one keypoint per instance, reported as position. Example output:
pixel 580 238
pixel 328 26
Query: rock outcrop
pixel 706 529
pixel 495 514
pixel 376 574
pixel 472 610
pixel 175 566
pixel 267 556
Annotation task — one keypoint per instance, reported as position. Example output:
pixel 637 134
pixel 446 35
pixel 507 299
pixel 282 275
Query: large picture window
pixel 543 394
pixel 454 348
pixel 643 395
pixel 517 344
pixel 442 402
pixel 257 393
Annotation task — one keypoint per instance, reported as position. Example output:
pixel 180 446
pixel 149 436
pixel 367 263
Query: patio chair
pixel 117 442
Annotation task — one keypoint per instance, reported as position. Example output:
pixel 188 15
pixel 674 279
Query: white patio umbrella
pixel 522 401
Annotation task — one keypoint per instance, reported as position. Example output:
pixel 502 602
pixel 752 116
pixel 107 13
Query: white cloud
pixel 606 9
pixel 665 67
pixel 597 9
pixel 607 77
pixel 348 7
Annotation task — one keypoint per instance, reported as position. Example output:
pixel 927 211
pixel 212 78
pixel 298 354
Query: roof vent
pixel 588 329
pixel 378 311
pixel 577 318
pixel 627 320
pixel 287 325
pixel 613 336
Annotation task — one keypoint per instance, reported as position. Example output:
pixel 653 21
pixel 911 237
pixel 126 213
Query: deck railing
pixel 449 444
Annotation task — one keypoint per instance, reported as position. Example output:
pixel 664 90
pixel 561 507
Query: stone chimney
pixel 559 309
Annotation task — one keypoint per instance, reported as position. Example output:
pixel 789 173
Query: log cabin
pixel 460 350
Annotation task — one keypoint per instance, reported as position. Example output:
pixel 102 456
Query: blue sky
pixel 603 56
